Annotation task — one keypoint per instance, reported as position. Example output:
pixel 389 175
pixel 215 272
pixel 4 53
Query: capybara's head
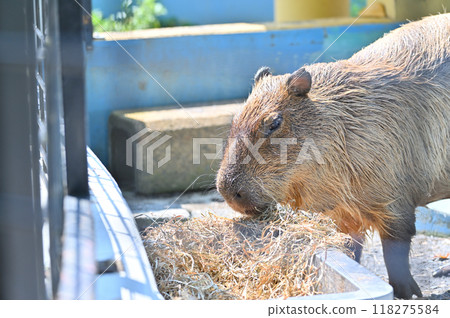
pixel 274 146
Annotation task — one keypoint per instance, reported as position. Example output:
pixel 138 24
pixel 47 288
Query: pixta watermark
pixel 147 141
pixel 143 145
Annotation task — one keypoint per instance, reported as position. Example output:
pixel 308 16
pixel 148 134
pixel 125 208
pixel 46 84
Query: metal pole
pixel 56 172
pixel 72 59
pixel 21 256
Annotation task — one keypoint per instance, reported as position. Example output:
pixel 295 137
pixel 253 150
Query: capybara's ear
pixel 262 72
pixel 299 83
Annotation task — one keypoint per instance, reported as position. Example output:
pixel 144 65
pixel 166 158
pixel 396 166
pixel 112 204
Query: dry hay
pixel 220 258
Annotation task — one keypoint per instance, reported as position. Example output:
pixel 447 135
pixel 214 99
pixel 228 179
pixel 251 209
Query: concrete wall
pixel 203 68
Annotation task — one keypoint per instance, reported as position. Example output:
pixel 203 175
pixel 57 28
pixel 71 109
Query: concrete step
pixel 170 149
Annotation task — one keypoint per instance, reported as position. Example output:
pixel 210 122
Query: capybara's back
pixel 365 140
pixel 414 63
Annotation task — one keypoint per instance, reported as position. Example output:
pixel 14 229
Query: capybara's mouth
pixel 254 211
pixel 251 212
pixel 248 210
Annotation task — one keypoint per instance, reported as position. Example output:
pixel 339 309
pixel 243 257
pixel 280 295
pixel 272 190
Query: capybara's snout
pixel 242 197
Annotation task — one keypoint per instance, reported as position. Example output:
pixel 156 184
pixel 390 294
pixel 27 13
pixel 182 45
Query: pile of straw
pixel 220 258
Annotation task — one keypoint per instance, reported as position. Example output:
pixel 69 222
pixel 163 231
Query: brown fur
pixel 381 121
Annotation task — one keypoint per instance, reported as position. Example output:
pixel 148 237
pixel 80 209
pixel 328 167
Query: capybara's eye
pixel 271 123
pixel 275 124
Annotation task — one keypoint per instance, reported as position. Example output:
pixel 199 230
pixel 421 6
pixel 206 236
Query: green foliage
pixel 356 6
pixel 145 15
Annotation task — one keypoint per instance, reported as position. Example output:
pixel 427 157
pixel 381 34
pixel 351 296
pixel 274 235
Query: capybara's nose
pixel 240 200
pixel 242 197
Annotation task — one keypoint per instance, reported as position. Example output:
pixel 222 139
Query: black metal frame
pixel 42 138
pixel 72 58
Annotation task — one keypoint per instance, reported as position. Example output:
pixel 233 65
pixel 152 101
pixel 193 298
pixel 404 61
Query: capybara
pixel 364 140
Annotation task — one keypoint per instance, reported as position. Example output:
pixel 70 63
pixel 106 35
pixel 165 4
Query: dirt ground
pixel 423 262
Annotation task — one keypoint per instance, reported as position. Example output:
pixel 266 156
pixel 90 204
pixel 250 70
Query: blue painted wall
pixel 215 11
pixel 220 11
pixel 204 11
pixel 202 68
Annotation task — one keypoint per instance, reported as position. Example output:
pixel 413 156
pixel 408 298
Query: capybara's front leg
pixel 396 258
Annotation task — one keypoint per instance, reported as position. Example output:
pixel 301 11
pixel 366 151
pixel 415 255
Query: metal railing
pixel 42 140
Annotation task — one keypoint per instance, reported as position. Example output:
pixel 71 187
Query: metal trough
pixel 117 239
